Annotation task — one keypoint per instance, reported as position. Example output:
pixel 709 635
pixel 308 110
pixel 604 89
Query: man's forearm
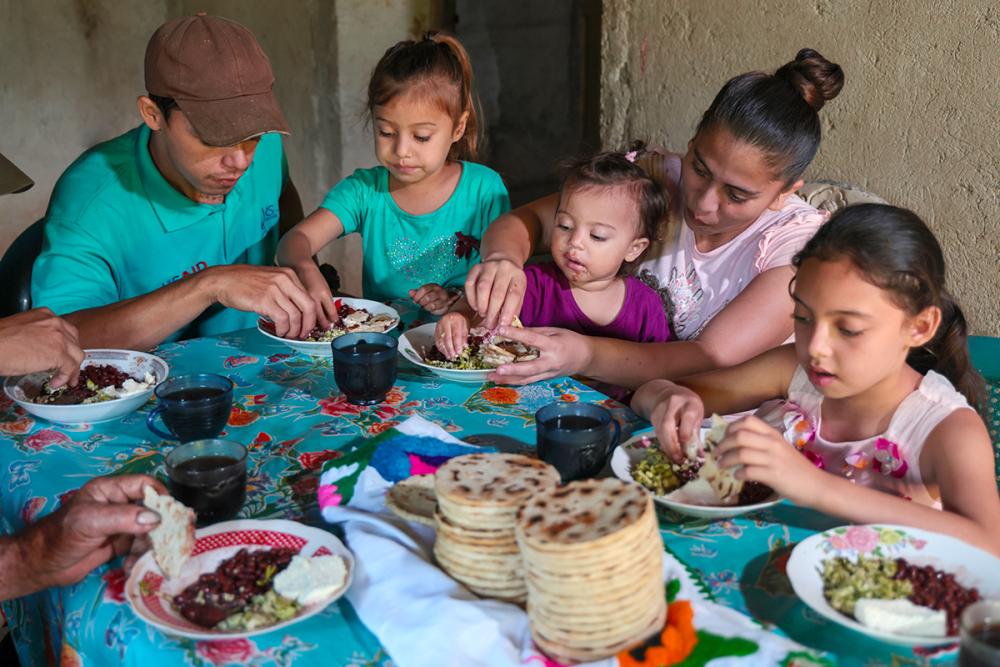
pixel 629 364
pixel 143 322
pixel 15 560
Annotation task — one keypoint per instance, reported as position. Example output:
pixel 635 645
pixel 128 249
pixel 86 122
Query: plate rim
pixel 806 581
pixel 146 563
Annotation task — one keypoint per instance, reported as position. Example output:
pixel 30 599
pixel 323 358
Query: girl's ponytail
pixel 466 148
pixel 948 354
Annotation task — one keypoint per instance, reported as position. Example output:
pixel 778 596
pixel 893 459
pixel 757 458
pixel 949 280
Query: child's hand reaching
pixel 452 334
pixel 433 298
pixel 766 457
pixel 676 415
pixel 317 287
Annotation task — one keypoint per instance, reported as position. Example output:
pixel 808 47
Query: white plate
pixel 148 592
pixel 412 345
pixel 630 452
pixel 971 567
pixel 136 364
pixel 322 349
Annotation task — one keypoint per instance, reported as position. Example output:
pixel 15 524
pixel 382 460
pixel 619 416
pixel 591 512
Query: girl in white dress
pixel 879 394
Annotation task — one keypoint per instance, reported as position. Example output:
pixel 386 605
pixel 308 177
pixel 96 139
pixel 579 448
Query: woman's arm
pixel 756 320
pixel 495 286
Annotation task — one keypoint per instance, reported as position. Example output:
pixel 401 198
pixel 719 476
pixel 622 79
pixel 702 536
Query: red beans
pixel 216 595
pixel 937 590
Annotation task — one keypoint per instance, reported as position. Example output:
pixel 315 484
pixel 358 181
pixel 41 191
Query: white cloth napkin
pixel 424 618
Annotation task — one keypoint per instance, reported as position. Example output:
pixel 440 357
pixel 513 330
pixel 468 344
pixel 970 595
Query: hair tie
pixel 631 156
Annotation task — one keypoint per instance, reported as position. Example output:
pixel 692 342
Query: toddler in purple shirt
pixel 608 213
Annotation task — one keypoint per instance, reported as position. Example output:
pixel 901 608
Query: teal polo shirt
pixel 115 229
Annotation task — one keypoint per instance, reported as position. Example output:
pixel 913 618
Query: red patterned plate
pixel 149 592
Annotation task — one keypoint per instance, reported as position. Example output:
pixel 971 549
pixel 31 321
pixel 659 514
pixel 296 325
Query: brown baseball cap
pixel 12 179
pixel 219 76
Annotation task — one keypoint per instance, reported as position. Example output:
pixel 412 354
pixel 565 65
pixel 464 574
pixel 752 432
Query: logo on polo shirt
pixel 268 214
pixel 195 268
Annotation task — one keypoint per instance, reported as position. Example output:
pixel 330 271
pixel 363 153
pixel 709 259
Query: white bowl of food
pixel 479 360
pixel 112 384
pixel 680 488
pixel 357 316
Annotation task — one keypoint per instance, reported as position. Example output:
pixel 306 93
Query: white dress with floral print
pixel 889 462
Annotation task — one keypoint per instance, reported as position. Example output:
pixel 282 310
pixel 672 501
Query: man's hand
pixel 96 524
pixel 36 341
pixel 272 291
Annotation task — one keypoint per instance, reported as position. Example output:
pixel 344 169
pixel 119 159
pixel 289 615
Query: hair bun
pixel 817 79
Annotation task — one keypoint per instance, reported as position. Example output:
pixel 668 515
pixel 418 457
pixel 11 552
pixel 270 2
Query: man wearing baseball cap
pixel 169 230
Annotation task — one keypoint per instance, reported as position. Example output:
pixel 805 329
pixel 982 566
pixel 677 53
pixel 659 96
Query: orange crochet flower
pixel 501 395
pixel 672 646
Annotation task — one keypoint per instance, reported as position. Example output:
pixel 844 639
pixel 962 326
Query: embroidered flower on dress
pixel 801 432
pixel 888 460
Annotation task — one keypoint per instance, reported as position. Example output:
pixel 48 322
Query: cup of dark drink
pixel 980 644
pixel 576 438
pixel 193 407
pixel 364 366
pixel 210 477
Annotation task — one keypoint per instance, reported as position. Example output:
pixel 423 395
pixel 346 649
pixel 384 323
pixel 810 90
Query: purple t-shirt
pixel 548 302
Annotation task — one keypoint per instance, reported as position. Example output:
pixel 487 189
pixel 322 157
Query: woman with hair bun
pixel 723 265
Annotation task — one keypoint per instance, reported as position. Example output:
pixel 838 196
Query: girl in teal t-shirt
pixel 422 211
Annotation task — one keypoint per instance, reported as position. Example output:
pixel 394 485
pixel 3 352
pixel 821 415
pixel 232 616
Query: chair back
pixel 15 270
pixel 832 196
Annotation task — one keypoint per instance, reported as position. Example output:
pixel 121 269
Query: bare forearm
pixel 295 250
pixel 857 504
pixel 15 576
pixel 143 322
pixel 513 236
pixel 630 364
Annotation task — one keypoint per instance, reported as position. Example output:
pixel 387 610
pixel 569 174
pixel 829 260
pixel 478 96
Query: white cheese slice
pixel 900 617
pixel 307 580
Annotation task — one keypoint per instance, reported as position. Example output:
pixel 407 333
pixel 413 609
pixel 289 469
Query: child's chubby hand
pixel 433 298
pixel 452 334
pixel 766 457
pixel 676 416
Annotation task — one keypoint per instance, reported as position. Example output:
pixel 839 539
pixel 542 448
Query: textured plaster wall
pixel 918 121
pixel 72 69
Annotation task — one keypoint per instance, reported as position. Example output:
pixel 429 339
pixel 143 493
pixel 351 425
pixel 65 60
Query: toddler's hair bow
pixel 631 156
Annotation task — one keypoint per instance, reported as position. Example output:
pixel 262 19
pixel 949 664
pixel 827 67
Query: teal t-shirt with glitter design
pixel 404 251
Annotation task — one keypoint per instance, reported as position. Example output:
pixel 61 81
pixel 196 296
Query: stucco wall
pixel 72 70
pixel 918 121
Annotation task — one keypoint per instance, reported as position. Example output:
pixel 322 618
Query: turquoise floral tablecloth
pixel 288 412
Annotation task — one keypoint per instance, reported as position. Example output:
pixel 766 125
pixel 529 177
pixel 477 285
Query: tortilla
pixel 173 538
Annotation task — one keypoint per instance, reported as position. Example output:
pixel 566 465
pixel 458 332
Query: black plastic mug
pixel 364 366
pixel 576 438
pixel 193 407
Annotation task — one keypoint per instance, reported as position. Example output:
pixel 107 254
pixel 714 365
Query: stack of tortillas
pixel 593 567
pixel 478 497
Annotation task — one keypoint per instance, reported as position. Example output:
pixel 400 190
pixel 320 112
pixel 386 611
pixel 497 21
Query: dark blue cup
pixel 576 438
pixel 364 366
pixel 193 407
